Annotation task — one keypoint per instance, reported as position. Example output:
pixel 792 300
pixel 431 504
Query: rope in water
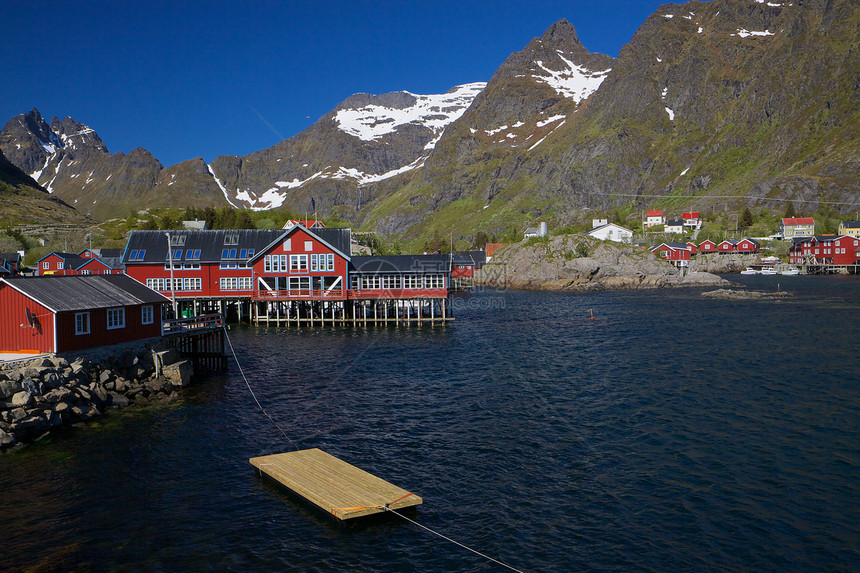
pixel 383 507
pixel 245 378
pixel 424 527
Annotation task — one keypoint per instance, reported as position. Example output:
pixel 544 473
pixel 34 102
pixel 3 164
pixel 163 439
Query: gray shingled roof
pixel 381 264
pixel 85 292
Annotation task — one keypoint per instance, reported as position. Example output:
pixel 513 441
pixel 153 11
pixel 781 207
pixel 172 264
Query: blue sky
pixel 229 78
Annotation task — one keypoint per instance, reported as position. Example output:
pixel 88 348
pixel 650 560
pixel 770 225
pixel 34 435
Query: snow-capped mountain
pixel 364 140
pixel 749 99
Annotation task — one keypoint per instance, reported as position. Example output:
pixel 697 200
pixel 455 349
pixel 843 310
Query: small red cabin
pixel 68 313
pixel 707 246
pixel 673 251
pixel 727 247
pixel 747 246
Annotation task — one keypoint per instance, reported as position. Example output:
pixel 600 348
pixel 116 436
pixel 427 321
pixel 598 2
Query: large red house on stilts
pixel 292 275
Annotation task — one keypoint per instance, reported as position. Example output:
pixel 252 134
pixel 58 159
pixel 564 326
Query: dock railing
pixel 193 323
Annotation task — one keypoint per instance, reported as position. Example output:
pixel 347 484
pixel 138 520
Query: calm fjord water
pixel 669 433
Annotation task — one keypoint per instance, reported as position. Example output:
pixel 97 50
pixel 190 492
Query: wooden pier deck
pixel 336 486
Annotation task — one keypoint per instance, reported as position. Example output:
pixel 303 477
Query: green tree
pixel 746 220
pixel 481 240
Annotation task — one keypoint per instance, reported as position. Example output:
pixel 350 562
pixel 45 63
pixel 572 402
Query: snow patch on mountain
pixel 222 187
pixel 435 112
pixel 574 82
pixel 746 33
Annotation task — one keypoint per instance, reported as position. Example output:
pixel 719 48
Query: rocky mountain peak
pixel 563 35
pixel 77 137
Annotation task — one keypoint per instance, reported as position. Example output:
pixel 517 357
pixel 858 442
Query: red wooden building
pixel 68 313
pixel 826 250
pixel 84 263
pixel 676 253
pixel 693 247
pixel 727 247
pixel 747 246
pixel 283 275
pixel 707 246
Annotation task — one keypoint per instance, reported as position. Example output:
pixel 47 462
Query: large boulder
pixel 179 373
pixel 8 388
pixel 22 399
pixel 6 440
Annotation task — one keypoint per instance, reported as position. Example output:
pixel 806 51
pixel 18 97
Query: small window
pixel 177 254
pixel 231 239
pixel 115 318
pixel 60 265
pixel 177 240
pixel 288 245
pixel 46 265
pixel 309 245
pixel 146 314
pixel 193 255
pixel 82 323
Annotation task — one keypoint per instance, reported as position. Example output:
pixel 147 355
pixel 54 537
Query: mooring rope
pixel 383 507
pixel 245 378
pixel 446 538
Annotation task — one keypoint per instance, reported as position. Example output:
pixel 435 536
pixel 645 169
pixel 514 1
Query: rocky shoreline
pixel 49 392
pixel 579 263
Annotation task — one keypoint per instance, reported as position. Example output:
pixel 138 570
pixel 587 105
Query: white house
pixel 654 218
pixel 612 232
pixel 674 226
pixel 598 223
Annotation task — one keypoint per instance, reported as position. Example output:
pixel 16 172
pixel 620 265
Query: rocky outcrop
pixel 734 294
pixel 50 392
pixel 576 262
pixel 723 263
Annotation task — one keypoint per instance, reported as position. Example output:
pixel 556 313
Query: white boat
pixel 790 272
pixel 750 271
pixel 769 271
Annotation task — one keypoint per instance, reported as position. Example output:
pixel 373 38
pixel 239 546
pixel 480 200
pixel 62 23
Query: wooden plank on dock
pixel 340 488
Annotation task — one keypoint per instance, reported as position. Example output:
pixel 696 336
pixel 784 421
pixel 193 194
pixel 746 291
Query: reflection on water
pixel 670 432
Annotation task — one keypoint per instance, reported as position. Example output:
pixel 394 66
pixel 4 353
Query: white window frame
pixel 300 284
pixel 80 327
pixel 115 318
pixel 298 263
pixel 309 246
pixel 147 314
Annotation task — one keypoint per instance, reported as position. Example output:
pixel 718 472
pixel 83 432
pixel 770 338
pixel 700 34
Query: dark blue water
pixel 669 433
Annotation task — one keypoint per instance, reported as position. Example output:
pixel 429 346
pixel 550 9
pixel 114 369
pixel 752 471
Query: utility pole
pixel 172 284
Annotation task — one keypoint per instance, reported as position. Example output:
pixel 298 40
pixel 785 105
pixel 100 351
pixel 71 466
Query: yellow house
pixel 850 228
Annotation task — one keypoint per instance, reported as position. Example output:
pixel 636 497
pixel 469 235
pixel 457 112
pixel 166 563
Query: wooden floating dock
pixel 339 488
